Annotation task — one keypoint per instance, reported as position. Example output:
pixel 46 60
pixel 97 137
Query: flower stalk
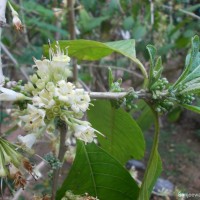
pixel 62 149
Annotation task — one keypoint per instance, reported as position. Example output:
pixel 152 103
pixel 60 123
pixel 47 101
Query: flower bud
pixel 16 21
pixel 10 95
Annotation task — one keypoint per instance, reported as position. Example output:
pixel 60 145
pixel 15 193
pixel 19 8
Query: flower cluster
pixel 13 164
pixel 49 96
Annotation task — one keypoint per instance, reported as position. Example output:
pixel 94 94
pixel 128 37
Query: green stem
pixel 144 72
pixel 153 169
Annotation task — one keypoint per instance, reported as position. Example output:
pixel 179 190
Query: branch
pixel 71 21
pixel 115 68
pixel 183 11
pixel 152 12
pixel 117 95
pixel 62 149
pixel 14 61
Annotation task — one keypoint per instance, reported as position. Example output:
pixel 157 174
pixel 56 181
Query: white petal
pixel 28 140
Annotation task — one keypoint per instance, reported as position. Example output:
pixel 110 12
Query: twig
pixel 62 149
pixel 117 95
pixel 13 60
pixel 71 20
pixel 183 11
pixel 152 12
pixel 116 68
pixel 84 85
pixel 189 13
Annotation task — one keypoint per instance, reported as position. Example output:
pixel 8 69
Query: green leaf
pixel 32 6
pixel 193 75
pixel 139 31
pixel 195 109
pixel 193 8
pixel 124 138
pixel 145 120
pixel 156 67
pixel 97 173
pixel 128 23
pixel 192 60
pixel 92 50
pixel 88 22
pixel 193 88
pixel 152 53
pixel 45 26
pixel 154 166
pixel 154 170
pixel 125 47
pixel 174 115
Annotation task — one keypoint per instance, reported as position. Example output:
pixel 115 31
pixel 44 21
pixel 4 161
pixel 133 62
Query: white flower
pixel 85 132
pixel 34 119
pixel 80 101
pixel 29 87
pixel 125 34
pixel 50 87
pixel 44 99
pixel 59 55
pixel 10 95
pixel 54 70
pixel 64 91
pixel 42 65
pixel 27 140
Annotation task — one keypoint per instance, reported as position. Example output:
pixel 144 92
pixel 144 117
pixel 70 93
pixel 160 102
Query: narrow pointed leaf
pixel 152 53
pixel 193 75
pixel 124 138
pixel 155 67
pixel 192 60
pixel 97 173
pixel 158 68
pixel 195 109
pixel 145 120
pixel 194 88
